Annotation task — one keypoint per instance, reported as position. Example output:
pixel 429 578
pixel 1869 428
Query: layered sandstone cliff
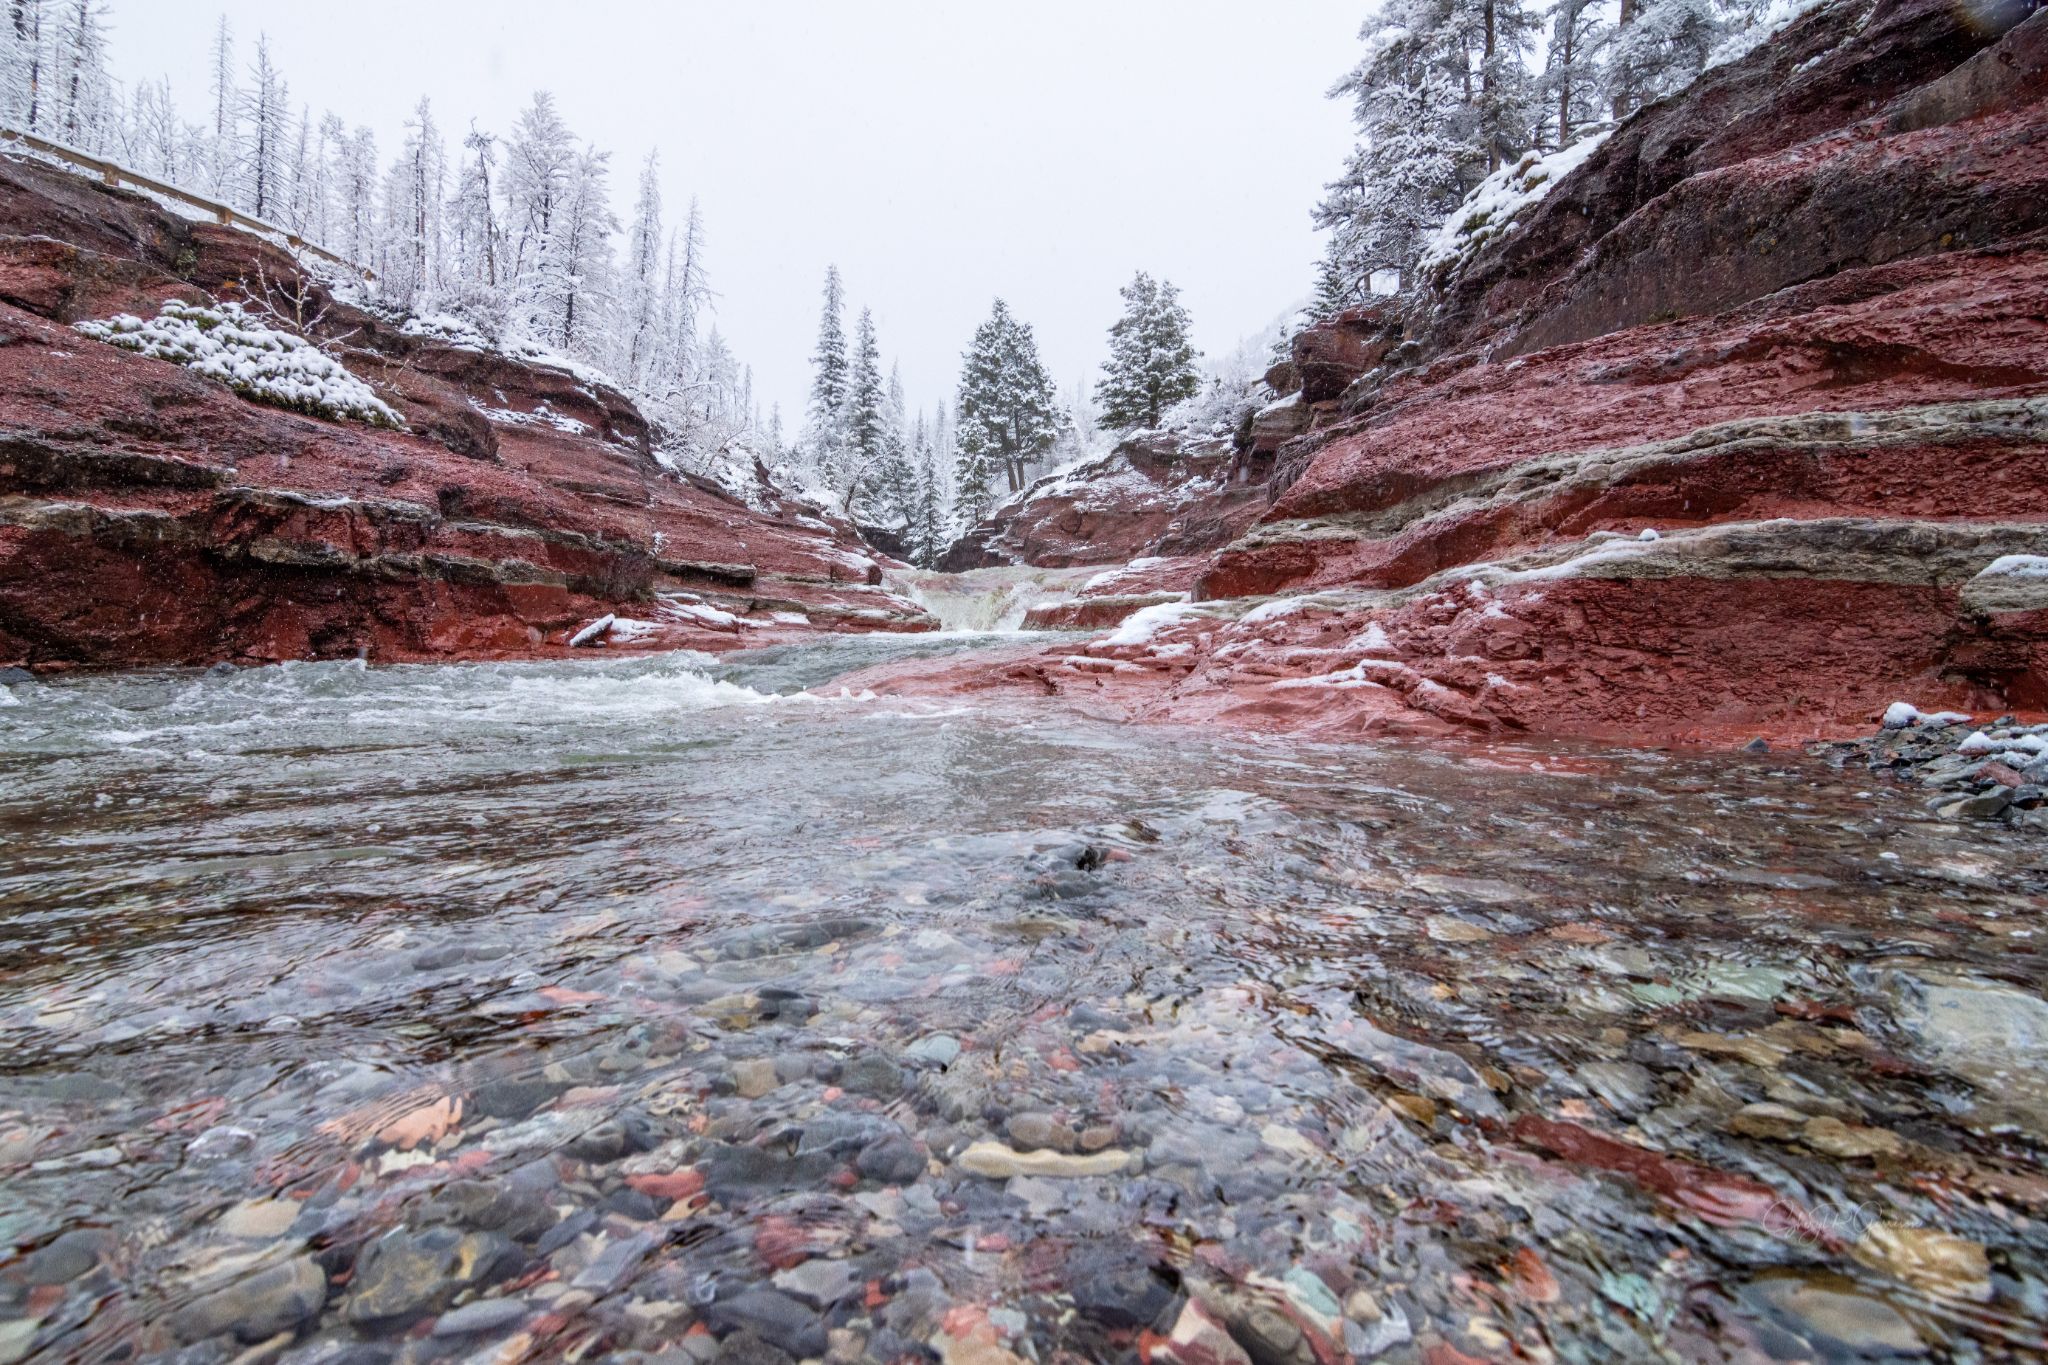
pixel 1743 431
pixel 150 516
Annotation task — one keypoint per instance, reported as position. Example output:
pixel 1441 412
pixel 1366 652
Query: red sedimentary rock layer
pixel 1156 494
pixel 150 516
pixel 1728 436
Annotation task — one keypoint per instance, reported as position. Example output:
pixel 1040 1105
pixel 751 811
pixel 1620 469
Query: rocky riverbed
pixel 646 1010
pixel 1998 771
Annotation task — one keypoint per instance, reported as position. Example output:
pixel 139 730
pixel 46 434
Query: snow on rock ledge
pixel 256 361
pixel 1499 200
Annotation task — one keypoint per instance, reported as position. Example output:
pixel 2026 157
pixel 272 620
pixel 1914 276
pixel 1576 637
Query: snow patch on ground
pixel 1901 715
pixel 1109 576
pixel 1142 625
pixel 1274 610
pixel 1373 640
pixel 540 416
pixel 625 630
pixel 256 361
pixel 698 613
pixel 2015 566
pixel 592 631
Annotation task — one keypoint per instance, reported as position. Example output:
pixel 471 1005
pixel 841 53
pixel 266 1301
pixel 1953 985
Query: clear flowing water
pixel 548 1012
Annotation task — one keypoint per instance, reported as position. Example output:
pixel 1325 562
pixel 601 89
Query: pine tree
pixel 540 159
pixel 1570 84
pixel 1410 167
pixel 474 226
pixel 894 502
pixel 865 421
pixel 224 149
pixel 927 535
pixel 1493 42
pixel 1657 49
pixel 264 108
pixel 824 435
pixel 85 103
pixel 26 54
pixel 1151 363
pixel 355 186
pixel 685 296
pixel 302 176
pixel 1441 98
pixel 642 286
pixel 414 192
pixel 581 256
pixel 1008 416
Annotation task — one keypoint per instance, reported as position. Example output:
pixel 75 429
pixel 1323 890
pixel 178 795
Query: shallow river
pixel 571 1012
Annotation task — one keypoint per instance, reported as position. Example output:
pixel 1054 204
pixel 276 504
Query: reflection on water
pixel 566 1012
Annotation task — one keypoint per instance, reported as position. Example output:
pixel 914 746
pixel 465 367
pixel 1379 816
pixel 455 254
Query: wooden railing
pixel 116 175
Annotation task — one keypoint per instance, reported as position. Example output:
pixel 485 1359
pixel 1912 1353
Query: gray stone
pixel 1988 806
pixel 280 1299
pixel 67 1256
pixel 1029 1132
pixel 1119 1290
pixel 511 1099
pixel 1627 1088
pixel 1830 1311
pixel 745 1348
pixel 841 1135
pixel 485 1315
pixel 894 1160
pixel 873 1075
pixel 617 1263
pixel 773 1316
pixel 937 1049
pixel 820 1283
pixel 628 1132
pixel 408 1274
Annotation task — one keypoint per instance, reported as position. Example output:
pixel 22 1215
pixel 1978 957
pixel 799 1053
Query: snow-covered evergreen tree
pixel 540 159
pixel 1572 71
pixel 1492 43
pixel 1151 363
pixel 413 213
pixel 928 530
pixel 1009 412
pixel 1657 49
pixel 672 379
pixel 355 190
pixel 23 98
pixel 223 153
pixel 824 435
pixel 864 422
pixel 894 500
pixel 1415 157
pixel 86 106
pixel 473 217
pixel 581 257
pixel 301 175
pixel 640 289
pixel 265 115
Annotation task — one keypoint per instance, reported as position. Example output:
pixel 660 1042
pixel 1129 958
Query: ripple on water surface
pixel 550 1012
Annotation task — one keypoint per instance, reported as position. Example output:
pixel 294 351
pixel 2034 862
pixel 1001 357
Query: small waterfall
pixel 988 599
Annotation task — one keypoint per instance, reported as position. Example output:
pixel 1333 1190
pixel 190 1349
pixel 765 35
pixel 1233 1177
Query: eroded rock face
pixel 1723 441
pixel 1157 494
pixel 149 516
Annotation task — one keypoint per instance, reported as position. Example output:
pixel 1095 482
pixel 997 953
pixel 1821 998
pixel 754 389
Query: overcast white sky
pixel 940 153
